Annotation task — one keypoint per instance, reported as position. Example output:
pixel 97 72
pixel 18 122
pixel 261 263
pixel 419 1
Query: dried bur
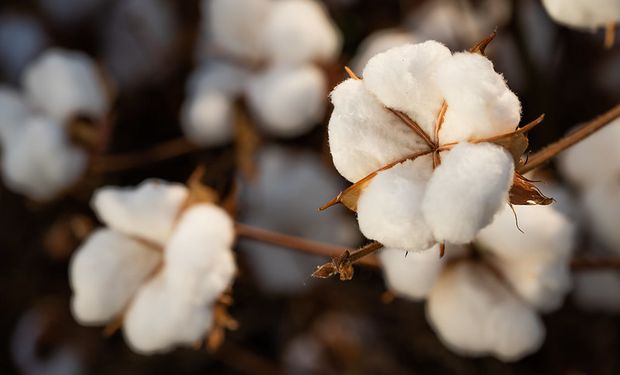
pixel 342 265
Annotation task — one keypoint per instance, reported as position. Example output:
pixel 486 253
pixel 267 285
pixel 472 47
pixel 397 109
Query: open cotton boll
pixel 105 272
pixel 474 314
pixel 377 42
pixel 235 26
pixel 21 39
pixel 39 161
pixel 159 319
pixel 13 112
pixel 64 83
pixel 584 13
pixel 198 257
pixel 584 163
pixel 466 191
pixel 207 118
pixel 363 135
pixel 411 275
pixel 300 31
pixel 598 290
pixel 389 209
pixel 480 104
pixel 404 78
pixel 288 101
pixel 148 211
pixel 601 203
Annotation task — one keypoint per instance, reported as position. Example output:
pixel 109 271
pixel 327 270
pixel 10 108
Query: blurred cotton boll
pixel 584 13
pixel 21 39
pixel 598 291
pixel 289 187
pixel 380 41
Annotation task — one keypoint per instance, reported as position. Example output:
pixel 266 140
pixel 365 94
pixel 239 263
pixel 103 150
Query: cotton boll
pixel 207 118
pixel 411 275
pixel 158 319
pixel 466 191
pixel 218 76
pixel 404 78
pixel 148 211
pixel 21 39
pixel 235 26
pixel 480 104
pixel 377 42
pixel 39 161
pixel 389 209
pixel 584 163
pixel 64 84
pixel 300 31
pixel 598 291
pixel 584 13
pixel 13 112
pixel 363 135
pixel 199 259
pixel 602 206
pixel 288 101
pixel 105 272
pixel 475 315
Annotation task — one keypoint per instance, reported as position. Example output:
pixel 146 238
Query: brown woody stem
pixel 541 157
pixel 595 263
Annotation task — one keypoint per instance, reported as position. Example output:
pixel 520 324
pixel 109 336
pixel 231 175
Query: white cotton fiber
pixel 598 290
pixel 594 159
pixel 159 319
pixel 389 209
pixel 300 31
pixel 601 203
pixel 39 161
pixel 480 104
pixel 411 275
pixel 207 118
pixel 475 315
pixel 148 211
pixel 13 112
pixel 404 78
pixel 288 101
pixel 199 260
pixel 363 135
pixel 466 191
pixel 584 13
pixel 377 42
pixel 105 272
pixel 235 26
pixel 64 83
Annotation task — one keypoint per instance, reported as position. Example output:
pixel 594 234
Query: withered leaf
pixel 351 195
pixel 516 143
pixel 346 271
pixel 523 192
pixel 481 46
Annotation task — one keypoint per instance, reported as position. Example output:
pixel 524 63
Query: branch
pixel 595 263
pixel 541 157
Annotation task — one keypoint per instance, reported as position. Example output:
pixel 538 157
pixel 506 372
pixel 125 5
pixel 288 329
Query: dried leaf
pixel 524 192
pixel 351 195
pixel 516 143
pixel 346 271
pixel 325 271
pixel 481 46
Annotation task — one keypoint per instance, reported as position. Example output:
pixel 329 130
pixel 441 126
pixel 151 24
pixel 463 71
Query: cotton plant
pixel 267 54
pixel 428 138
pixel 41 155
pixel 160 267
pixel 485 298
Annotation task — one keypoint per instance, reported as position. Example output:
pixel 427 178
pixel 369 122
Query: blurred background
pixel 289 322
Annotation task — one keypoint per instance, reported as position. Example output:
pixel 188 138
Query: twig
pixel 541 157
pixel 595 263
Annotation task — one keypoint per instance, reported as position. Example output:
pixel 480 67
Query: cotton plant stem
pixel 541 157
pixel 595 263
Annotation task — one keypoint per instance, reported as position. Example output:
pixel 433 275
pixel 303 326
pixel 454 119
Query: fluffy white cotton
pixel 389 209
pixel 466 191
pixel 404 78
pixel 598 290
pixel 584 13
pixel 21 39
pixel 199 260
pixel 64 83
pixel 601 203
pixel 377 42
pixel 480 104
pixel 13 112
pixel 475 314
pixel 536 261
pixel 207 118
pixel 235 26
pixel 594 159
pixel 287 101
pixel 363 135
pixel 411 275
pixel 300 31
pixel 148 211
pixel 159 319
pixel 39 161
pixel 105 272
